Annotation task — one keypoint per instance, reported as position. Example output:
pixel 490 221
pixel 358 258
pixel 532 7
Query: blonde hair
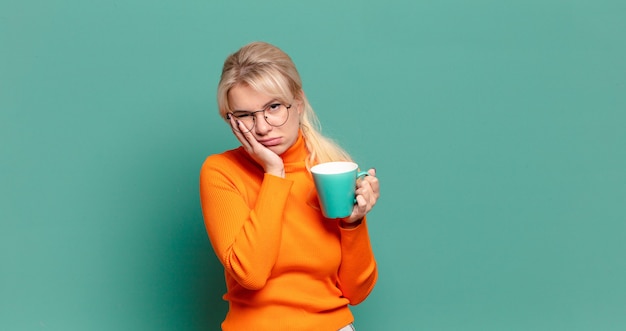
pixel 269 70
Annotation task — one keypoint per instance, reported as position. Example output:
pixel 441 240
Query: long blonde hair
pixel 269 70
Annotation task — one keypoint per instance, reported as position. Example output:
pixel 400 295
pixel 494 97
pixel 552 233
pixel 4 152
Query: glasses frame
pixel 254 117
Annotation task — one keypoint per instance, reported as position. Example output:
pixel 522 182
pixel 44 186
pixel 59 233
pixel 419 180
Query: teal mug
pixel 335 183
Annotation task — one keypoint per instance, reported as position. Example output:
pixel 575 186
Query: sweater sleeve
pixel 246 240
pixel 358 272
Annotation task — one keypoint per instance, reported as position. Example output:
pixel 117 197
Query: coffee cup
pixel 335 183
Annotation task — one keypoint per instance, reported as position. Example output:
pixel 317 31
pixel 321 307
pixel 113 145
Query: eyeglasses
pixel 275 114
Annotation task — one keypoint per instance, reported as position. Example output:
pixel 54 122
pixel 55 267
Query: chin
pixel 278 149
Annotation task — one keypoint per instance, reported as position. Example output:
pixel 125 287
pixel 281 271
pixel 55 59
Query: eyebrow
pixel 264 106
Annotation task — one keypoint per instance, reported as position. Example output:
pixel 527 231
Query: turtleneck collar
pixel 295 157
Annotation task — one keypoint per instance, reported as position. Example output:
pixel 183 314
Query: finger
pixel 361 201
pixel 251 139
pixel 370 179
pixel 245 132
pixel 369 193
pixel 373 183
pixel 234 125
pixel 243 128
pixel 363 189
pixel 360 208
pixel 237 125
pixel 364 185
pixel 241 132
pixel 370 198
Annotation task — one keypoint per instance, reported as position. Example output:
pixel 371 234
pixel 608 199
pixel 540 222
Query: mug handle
pixel 360 175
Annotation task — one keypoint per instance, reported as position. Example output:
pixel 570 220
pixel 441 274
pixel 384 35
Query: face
pixel 277 139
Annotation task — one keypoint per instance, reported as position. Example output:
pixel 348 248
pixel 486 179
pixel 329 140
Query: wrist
pixel 350 225
pixel 278 172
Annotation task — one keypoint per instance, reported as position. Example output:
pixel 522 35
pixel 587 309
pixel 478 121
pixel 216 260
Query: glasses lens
pixel 276 114
pixel 246 118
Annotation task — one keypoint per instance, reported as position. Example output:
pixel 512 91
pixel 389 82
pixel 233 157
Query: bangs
pixel 270 82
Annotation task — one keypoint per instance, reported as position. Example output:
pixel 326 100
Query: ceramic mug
pixel 335 183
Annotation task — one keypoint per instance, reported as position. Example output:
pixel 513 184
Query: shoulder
pixel 225 160
pixel 230 169
pixel 229 163
pixel 219 168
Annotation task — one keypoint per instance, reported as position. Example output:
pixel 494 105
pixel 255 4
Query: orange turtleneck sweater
pixel 286 267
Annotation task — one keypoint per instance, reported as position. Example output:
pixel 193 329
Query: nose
pixel 261 126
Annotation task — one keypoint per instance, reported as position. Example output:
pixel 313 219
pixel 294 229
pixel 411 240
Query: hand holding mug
pixel 340 195
pixel 367 193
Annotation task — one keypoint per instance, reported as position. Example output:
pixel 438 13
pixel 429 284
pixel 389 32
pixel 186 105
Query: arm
pixel 358 272
pixel 246 240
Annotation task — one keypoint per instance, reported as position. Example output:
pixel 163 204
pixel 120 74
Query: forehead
pixel 244 97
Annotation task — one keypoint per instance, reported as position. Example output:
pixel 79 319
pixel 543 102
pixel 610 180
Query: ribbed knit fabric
pixel 286 266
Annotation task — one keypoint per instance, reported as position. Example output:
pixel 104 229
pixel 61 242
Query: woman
pixel 286 266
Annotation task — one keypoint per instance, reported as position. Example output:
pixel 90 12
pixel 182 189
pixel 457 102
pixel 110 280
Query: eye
pixel 274 107
pixel 241 114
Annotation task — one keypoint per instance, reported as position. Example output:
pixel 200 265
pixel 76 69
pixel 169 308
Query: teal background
pixel 496 128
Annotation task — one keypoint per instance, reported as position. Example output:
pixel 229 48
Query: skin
pixel 266 143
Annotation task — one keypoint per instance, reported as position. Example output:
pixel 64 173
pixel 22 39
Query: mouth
pixel 270 142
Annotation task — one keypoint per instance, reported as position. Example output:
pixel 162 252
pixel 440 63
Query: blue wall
pixel 496 127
